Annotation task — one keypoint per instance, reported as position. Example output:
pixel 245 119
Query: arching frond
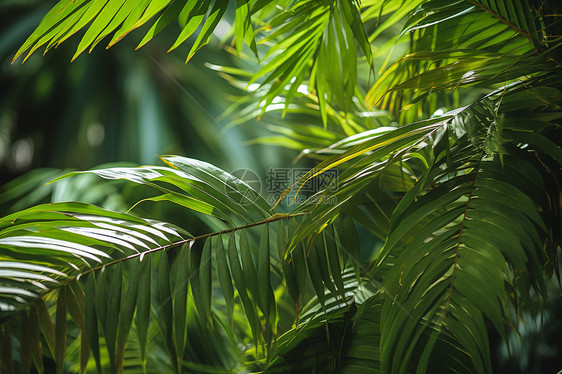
pixel 196 185
pixel 114 268
pixel 79 236
pixel 465 43
pixel 307 35
pixel 120 17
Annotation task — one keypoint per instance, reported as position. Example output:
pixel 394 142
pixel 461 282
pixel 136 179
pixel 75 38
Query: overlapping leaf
pixel 79 236
pixel 196 185
pixel 456 248
pixel 120 17
pixel 307 37
pixel 462 43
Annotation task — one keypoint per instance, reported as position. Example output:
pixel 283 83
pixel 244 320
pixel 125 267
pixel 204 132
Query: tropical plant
pixel 443 136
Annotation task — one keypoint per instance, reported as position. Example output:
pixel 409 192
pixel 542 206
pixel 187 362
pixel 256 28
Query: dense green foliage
pixel 442 227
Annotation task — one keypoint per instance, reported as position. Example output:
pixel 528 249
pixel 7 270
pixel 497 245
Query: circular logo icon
pixel 243 186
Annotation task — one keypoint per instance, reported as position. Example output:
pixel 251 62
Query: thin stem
pixel 450 291
pixel 273 218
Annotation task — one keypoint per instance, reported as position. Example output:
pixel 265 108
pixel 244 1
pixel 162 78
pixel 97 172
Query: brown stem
pixel 275 217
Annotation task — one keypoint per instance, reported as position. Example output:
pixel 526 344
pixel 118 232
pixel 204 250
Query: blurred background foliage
pixel 117 106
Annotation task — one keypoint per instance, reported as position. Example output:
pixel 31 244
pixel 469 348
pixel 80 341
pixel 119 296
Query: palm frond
pixel 464 43
pixel 306 37
pixel 461 240
pixel 120 17
pixel 80 236
pixel 99 280
pixel 196 185
pixel 451 218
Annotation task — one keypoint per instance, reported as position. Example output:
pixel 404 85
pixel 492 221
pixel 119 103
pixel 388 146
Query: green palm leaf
pixel 120 17
pixel 196 185
pixel 458 244
pixel 80 236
